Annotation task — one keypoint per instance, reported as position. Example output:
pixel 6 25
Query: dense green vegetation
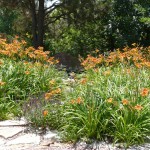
pixel 108 99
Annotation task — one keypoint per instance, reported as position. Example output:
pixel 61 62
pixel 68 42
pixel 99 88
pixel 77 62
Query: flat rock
pixel 25 139
pixel 46 142
pixel 40 148
pixel 18 147
pixel 50 135
pixel 62 146
pixel 12 123
pixel 8 132
pixel 2 141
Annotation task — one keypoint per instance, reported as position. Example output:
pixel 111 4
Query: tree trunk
pixel 37 22
pixel 41 14
pixel 34 23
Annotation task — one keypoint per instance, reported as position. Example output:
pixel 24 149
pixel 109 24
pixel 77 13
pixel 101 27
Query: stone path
pixel 15 135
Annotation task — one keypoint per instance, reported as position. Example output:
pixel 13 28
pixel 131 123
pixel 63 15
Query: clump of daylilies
pixel 18 50
pixel 76 101
pixel 52 93
pixel 125 102
pixel 139 56
pixel 111 100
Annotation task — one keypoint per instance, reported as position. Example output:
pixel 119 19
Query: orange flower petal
pixel 45 113
pixel 125 102
pixel 138 107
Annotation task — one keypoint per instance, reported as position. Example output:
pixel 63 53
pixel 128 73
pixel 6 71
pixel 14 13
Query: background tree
pixel 80 26
pixel 38 11
pixel 127 21
pixel 7 18
pixel 84 27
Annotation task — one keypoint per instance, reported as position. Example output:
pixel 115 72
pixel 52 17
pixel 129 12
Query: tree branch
pixel 55 18
pixel 53 7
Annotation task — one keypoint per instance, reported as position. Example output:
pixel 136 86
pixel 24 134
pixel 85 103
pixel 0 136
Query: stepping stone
pixel 25 139
pixel 8 132
pixel 12 123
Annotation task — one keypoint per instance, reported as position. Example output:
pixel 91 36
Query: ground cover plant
pixel 108 101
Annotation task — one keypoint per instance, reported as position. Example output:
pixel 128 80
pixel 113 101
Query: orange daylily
pixel 79 100
pixel 48 95
pixel 1 62
pixel 125 102
pixel 83 81
pixel 144 92
pixel 45 113
pixel 72 101
pixel 110 100
pixel 138 107
pixel 2 83
pixel 27 72
pixel 57 91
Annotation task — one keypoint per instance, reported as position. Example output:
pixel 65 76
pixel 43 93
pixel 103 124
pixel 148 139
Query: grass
pixel 110 100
